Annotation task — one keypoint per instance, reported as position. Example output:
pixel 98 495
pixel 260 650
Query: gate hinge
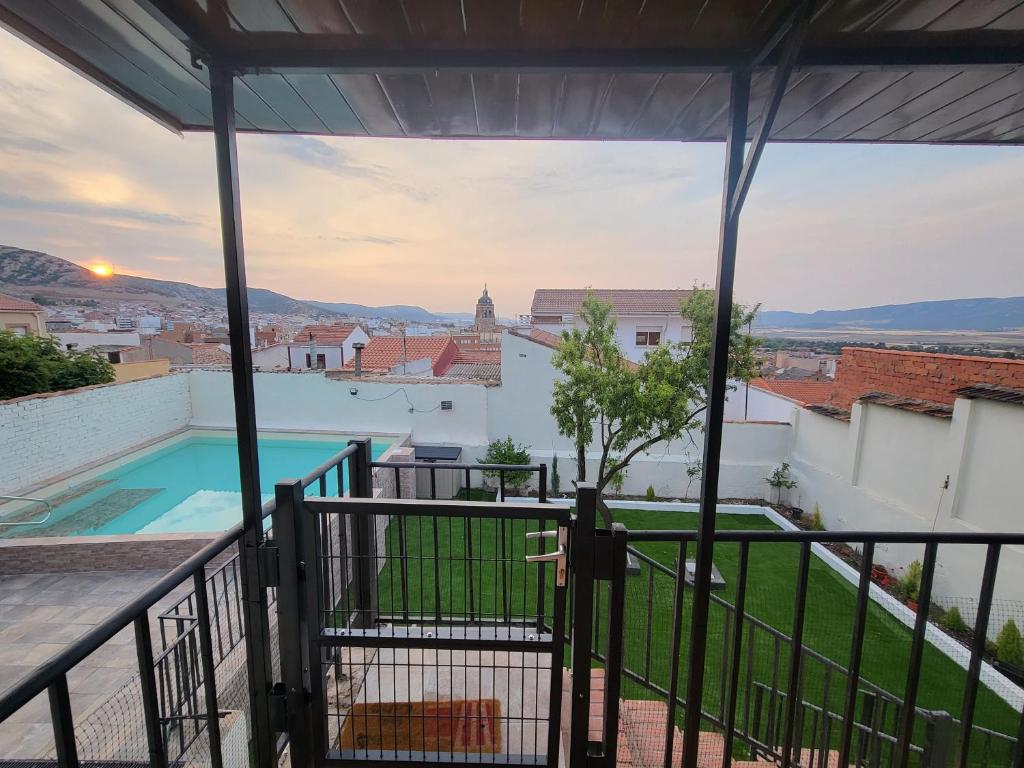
pixel 270 565
pixel 277 704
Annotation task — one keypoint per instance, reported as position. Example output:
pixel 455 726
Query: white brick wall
pixel 49 435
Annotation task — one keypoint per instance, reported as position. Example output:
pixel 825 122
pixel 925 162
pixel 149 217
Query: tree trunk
pixel 581 463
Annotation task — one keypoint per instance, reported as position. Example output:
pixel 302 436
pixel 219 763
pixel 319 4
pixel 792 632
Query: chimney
pixel 358 347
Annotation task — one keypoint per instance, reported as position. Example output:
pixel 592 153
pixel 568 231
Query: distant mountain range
pixel 986 314
pixel 27 273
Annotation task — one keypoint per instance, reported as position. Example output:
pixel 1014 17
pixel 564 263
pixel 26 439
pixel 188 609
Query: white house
pixel 644 317
pixel 324 346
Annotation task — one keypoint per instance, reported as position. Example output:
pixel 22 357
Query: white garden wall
pixel 45 436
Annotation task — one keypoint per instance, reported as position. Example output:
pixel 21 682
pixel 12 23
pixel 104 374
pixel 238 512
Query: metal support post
pixel 582 560
pixel 364 538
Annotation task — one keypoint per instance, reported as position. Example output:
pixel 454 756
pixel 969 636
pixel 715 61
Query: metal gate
pixel 420 631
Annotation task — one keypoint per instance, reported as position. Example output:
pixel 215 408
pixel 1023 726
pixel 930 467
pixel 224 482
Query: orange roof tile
pixel 478 356
pixel 383 353
pixel 325 334
pixel 644 301
pixel 803 392
pixel 11 304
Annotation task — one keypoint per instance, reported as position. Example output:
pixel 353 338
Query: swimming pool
pixel 186 484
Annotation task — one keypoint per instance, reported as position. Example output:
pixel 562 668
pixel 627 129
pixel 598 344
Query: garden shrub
pixel 1009 646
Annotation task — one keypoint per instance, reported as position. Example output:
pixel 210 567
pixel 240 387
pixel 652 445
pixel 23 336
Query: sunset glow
pixel 103 270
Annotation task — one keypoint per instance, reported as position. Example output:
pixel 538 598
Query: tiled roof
pixel 473 371
pixel 831 411
pixel 208 353
pixel 11 304
pixel 625 301
pixel 383 353
pixel 926 407
pixel 324 334
pixel 991 392
pixel 537 336
pixel 478 356
pixel 803 392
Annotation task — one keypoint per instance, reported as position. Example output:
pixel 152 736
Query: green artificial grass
pixel 496 583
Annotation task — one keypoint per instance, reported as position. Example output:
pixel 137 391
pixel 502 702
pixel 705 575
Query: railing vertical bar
pixel 437 566
pixel 542 484
pixel 504 566
pixel 796 655
pixel 906 724
pixel 737 654
pixel 988 584
pixel 403 564
pixel 501 485
pixel 826 721
pixel 209 673
pixel 856 652
pixel 650 623
pixel 433 484
pixel 723 671
pixel 147 683
pixel 541 579
pixel 469 562
pixel 677 637
pixel 323 486
pixel 613 662
pixel 63 723
pixel 398 483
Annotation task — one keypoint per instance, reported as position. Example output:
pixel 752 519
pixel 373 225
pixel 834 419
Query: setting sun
pixel 103 270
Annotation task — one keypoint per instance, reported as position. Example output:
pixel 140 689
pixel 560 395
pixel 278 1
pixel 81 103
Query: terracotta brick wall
pixel 920 375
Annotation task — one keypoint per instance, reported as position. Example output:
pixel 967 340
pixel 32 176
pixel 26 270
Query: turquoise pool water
pixel 190 485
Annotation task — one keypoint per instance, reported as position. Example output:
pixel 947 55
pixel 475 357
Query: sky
pixel 385 221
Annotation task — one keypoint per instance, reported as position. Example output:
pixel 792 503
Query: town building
pixel 324 346
pixel 644 317
pixel 406 356
pixel 22 318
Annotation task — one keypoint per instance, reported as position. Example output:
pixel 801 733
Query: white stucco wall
pixel 673 328
pixel 311 401
pixel 46 436
pixel 752 404
pixel 296 354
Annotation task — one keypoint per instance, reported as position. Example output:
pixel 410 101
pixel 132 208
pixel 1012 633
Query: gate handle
pixel 558 556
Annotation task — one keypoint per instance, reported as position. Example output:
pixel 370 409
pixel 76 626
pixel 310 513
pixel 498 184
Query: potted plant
pixel 507 452
pixel 909 586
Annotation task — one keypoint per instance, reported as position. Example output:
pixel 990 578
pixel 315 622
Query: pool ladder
pixel 44 502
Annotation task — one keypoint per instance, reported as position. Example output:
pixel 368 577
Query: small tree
pixel 909 586
pixel 1009 646
pixel 556 480
pixel 779 479
pixel 817 524
pixel 693 472
pixel 507 452
pixel 651 495
pixel 953 622
pixel 627 408
pixel 32 364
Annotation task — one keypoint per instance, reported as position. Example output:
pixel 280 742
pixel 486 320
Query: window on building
pixel 648 338
pixel 18 330
pixel 321 361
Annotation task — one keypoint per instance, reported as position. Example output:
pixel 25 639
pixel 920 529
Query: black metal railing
pixel 181 689
pixel 849 720
pixel 466 470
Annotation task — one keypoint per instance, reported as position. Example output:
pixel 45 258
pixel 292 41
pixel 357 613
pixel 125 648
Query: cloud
pixel 12 142
pixel 333 159
pixel 363 239
pixel 91 211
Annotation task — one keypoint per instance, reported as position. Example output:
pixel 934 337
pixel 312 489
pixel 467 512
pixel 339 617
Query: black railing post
pixel 150 698
pixel 542 484
pixel 988 585
pixel 582 560
pixel 719 373
pixel 737 650
pixel 856 652
pixel 364 537
pixel 63 723
pixel 794 715
pixel 257 629
pixel 290 617
pixel 209 671
pixel 938 741
pixel 613 662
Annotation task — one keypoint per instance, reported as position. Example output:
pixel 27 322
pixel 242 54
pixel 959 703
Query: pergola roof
pixel 933 71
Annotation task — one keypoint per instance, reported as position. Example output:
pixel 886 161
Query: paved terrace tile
pixel 41 614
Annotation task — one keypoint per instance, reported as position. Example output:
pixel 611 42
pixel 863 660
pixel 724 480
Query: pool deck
pixel 41 614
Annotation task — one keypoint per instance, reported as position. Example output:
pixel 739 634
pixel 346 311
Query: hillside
pixel 33 273
pixel 982 314
pixel 25 274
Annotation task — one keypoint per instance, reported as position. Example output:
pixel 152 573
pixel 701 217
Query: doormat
pixel 471 726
